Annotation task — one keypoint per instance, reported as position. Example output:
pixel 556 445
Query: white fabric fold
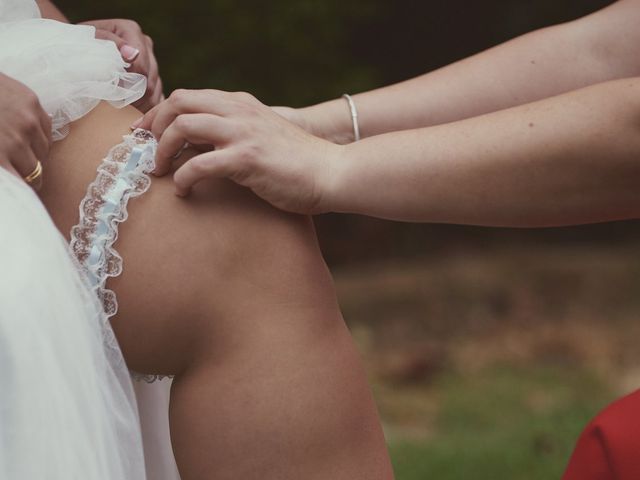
pixel 65 65
pixel 67 406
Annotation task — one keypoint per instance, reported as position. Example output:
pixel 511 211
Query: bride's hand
pixel 137 49
pixel 25 129
pixel 254 146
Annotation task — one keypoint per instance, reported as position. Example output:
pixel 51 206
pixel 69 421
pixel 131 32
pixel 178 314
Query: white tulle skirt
pixel 67 405
pixel 67 408
pixel 70 71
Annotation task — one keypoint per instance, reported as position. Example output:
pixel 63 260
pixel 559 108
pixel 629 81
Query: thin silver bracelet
pixel 354 116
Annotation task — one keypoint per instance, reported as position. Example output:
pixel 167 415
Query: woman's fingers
pixel 128 52
pixel 186 101
pixel 155 93
pixel 197 129
pixel 152 98
pixel 41 143
pixel 216 164
pixel 103 34
pixel 154 84
pixel 41 138
pixel 254 147
pixel 46 123
pixel 25 164
pixel 158 95
pixel 136 50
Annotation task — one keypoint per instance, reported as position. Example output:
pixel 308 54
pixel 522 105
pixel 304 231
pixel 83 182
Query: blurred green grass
pixel 488 364
pixel 501 423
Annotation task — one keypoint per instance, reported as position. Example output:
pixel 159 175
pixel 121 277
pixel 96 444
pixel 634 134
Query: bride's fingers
pixel 154 84
pixel 217 164
pixel 40 136
pixel 46 124
pixel 25 164
pixel 154 96
pixel 41 139
pixel 159 93
pixel 40 144
pixel 103 34
pixel 197 129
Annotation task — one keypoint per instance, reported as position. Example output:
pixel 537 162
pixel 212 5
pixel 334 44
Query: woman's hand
pixel 252 145
pixel 25 129
pixel 137 49
pixel 295 116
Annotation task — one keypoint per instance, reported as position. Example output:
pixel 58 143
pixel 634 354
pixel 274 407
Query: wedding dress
pixel 67 405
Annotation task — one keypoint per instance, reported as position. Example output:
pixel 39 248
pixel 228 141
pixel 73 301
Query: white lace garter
pixel 122 175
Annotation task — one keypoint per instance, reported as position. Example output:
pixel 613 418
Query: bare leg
pixel 234 299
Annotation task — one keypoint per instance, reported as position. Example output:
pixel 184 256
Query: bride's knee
pixel 215 273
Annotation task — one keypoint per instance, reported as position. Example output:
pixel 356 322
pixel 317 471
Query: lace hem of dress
pixel 122 175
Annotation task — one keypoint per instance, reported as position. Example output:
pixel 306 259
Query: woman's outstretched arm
pixel 599 47
pixel 569 159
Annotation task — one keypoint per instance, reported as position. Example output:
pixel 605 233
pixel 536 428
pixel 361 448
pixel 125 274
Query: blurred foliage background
pixel 488 349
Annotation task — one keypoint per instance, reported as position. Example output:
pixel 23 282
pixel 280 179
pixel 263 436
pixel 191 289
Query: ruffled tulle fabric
pixel 67 406
pixel 69 70
pixel 67 409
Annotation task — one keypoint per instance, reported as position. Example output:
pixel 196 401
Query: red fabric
pixel 609 448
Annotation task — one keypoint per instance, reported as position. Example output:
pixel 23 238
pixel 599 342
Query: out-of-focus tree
pixel 297 52
pixel 283 51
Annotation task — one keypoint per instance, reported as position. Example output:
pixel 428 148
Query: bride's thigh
pixel 217 274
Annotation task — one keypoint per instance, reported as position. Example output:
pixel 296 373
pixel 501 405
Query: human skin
pixel 25 129
pixel 135 47
pixel 502 138
pixel 547 62
pixel 565 160
pixel 233 298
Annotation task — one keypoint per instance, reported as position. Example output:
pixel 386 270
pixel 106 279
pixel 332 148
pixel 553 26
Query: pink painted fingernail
pixel 129 53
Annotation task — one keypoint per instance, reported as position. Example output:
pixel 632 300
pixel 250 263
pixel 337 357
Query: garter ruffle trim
pixel 122 175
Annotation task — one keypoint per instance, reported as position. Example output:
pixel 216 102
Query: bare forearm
pixel 547 62
pixel 570 159
pixel 49 10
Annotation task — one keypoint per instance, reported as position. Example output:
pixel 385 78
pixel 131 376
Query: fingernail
pixel 136 124
pixel 129 53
